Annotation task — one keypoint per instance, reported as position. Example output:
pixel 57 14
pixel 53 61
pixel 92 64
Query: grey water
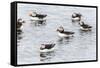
pixel 81 47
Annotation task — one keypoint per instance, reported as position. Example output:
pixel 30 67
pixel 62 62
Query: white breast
pixel 34 18
pixel 76 18
pixel 47 50
pixel 37 19
pixel 85 28
pixel 64 35
pixel 21 27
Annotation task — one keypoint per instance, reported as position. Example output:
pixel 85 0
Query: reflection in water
pixel 19 31
pixel 38 23
pixel 66 40
pixel 82 33
pixel 44 56
pixel 19 36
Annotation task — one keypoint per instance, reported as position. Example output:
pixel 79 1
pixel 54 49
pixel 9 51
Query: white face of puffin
pixel 60 28
pixel 42 46
pixel 34 14
pixel 81 22
pixel 31 13
pixel 74 14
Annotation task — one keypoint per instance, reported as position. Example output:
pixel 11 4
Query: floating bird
pixel 19 24
pixel 37 17
pixel 76 17
pixel 84 27
pixel 47 47
pixel 64 34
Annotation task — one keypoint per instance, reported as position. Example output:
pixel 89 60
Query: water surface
pixel 78 48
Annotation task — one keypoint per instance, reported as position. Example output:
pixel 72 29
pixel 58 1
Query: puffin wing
pixel 40 15
pixel 67 32
pixel 86 26
pixel 49 46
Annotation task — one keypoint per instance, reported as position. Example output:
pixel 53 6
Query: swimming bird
pixel 76 17
pixel 47 47
pixel 64 34
pixel 84 27
pixel 37 17
pixel 19 24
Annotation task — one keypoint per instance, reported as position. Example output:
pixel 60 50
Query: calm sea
pixel 78 48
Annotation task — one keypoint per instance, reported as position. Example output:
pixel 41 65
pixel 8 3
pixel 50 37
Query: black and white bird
pixel 20 24
pixel 37 17
pixel 47 47
pixel 64 34
pixel 84 27
pixel 76 17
